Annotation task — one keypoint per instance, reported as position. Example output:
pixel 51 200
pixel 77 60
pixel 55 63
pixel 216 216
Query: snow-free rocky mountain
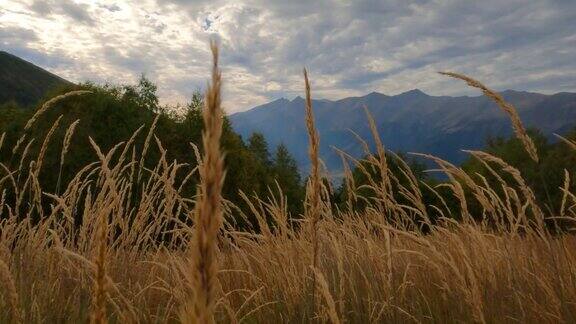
pixel 409 122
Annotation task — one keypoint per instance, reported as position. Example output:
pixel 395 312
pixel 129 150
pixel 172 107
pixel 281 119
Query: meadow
pixel 146 252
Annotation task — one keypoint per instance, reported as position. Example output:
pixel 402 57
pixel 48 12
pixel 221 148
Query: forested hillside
pixel 112 114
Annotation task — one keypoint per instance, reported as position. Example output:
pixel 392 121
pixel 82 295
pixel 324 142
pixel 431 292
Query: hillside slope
pixel 24 82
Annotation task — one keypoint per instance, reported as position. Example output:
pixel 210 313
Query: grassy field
pixel 136 257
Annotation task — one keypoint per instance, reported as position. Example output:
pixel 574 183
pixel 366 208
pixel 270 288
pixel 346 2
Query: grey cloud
pixel 76 11
pixel 138 60
pixel 111 8
pixel 11 34
pixel 41 7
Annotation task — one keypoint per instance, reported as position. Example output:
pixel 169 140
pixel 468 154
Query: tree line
pixel 113 113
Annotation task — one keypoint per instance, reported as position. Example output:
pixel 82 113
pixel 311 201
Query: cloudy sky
pixel 350 47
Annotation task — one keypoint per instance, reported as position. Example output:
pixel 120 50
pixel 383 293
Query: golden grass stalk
pixel 65 146
pixel 349 183
pixel 565 191
pixel 313 206
pixel 146 145
pixel 508 108
pixel 50 103
pixel 517 176
pixel 339 256
pixel 382 162
pixel 24 156
pixel 98 315
pixel 18 143
pixel 10 292
pixel 99 294
pixel 571 143
pixel 322 287
pixel 44 147
pixel 208 209
pixel 2 139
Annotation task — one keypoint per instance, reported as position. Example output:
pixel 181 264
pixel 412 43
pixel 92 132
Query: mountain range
pixel 23 82
pixel 409 122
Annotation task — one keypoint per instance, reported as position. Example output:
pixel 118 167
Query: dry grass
pixel 10 293
pixel 208 210
pixel 65 147
pixel 368 267
pixel 314 185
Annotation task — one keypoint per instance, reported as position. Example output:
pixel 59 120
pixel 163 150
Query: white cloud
pixel 351 48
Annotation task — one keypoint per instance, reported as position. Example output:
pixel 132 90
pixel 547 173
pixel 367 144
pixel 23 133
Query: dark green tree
pixel 259 147
pixel 260 165
pixel 144 94
pixel 285 171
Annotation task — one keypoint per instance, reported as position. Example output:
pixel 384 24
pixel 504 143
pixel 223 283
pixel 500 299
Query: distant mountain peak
pixel 375 94
pixel 516 92
pixel 297 99
pixel 281 100
pixel 413 93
